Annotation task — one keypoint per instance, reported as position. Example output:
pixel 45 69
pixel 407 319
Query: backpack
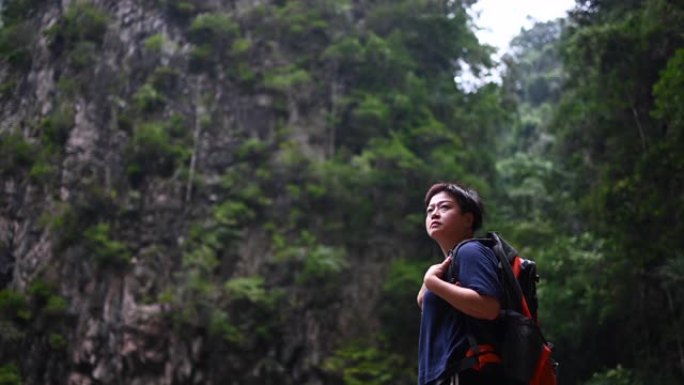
pixel 519 345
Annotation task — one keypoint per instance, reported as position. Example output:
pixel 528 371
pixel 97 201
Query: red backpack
pixel 519 346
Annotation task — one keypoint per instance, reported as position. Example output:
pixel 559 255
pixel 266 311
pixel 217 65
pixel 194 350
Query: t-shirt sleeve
pixel 478 269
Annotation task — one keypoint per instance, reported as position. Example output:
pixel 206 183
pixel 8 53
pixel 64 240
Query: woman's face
pixel 444 221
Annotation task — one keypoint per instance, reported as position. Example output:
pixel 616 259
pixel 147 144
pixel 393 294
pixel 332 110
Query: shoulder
pixel 474 247
pixel 474 250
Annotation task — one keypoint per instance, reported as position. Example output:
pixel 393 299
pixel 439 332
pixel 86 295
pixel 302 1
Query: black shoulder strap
pixel 505 253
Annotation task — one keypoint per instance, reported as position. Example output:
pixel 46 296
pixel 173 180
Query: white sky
pixel 501 20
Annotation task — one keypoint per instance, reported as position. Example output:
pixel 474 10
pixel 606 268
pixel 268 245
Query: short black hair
pixel 468 199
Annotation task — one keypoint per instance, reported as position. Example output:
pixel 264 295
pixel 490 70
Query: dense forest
pixel 230 192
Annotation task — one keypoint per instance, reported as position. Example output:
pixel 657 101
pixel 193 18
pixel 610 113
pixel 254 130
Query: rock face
pixel 153 140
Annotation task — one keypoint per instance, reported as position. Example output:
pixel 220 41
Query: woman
pixel 453 214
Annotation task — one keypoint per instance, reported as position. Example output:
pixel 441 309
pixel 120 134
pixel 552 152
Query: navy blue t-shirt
pixel 442 327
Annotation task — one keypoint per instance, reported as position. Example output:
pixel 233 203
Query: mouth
pixel 434 224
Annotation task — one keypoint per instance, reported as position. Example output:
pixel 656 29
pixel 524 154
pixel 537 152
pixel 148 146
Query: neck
pixel 448 244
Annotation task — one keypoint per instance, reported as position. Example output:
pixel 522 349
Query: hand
pixel 437 271
pixel 421 294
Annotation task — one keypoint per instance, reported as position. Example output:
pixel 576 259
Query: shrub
pixel 182 9
pixel 83 54
pixel 164 79
pixel 9 375
pixel 68 86
pixel 251 289
pixel 15 43
pixel 16 154
pixel 153 152
pixel 45 300
pixel 13 306
pixel 213 28
pixel 14 11
pixel 361 364
pixel 84 22
pixel 285 78
pixel 241 46
pixel 147 99
pixel 56 127
pixel 43 170
pixel 322 262
pixel 57 340
pixel 155 42
pixel 213 33
pixel 106 250
pixel 201 58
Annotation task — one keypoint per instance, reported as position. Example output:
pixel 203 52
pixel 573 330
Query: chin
pixel 434 233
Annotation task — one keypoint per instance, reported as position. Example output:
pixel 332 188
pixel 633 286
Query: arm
pixel 466 300
pixel 421 293
pixel 463 299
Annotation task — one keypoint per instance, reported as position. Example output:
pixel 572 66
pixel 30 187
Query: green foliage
pixel 43 296
pixel 10 375
pixel 20 157
pixel 57 341
pixel 302 27
pixel 668 93
pixel 321 262
pixel 201 57
pixel 15 43
pixel 65 225
pixel 315 263
pixel 390 154
pixel 220 325
pixel 371 111
pixel 153 151
pixel 360 364
pixel 107 251
pixel 615 376
pixel 213 35
pixel 253 150
pixel 241 46
pixel 155 42
pixel 251 289
pixel 213 28
pixel 147 99
pixel 449 37
pixel 7 88
pixel 14 306
pixel 231 214
pixel 83 54
pixel 287 79
pixel 14 11
pixel 84 22
pixel 613 137
pixel 347 50
pixel 534 68
pixel 164 80
pixel 56 127
pixel 16 153
pixel 183 8
pixel 17 34
pixel 525 195
pixel 399 291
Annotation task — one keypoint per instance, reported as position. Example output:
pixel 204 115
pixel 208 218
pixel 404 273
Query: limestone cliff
pixel 187 194
pixel 138 117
